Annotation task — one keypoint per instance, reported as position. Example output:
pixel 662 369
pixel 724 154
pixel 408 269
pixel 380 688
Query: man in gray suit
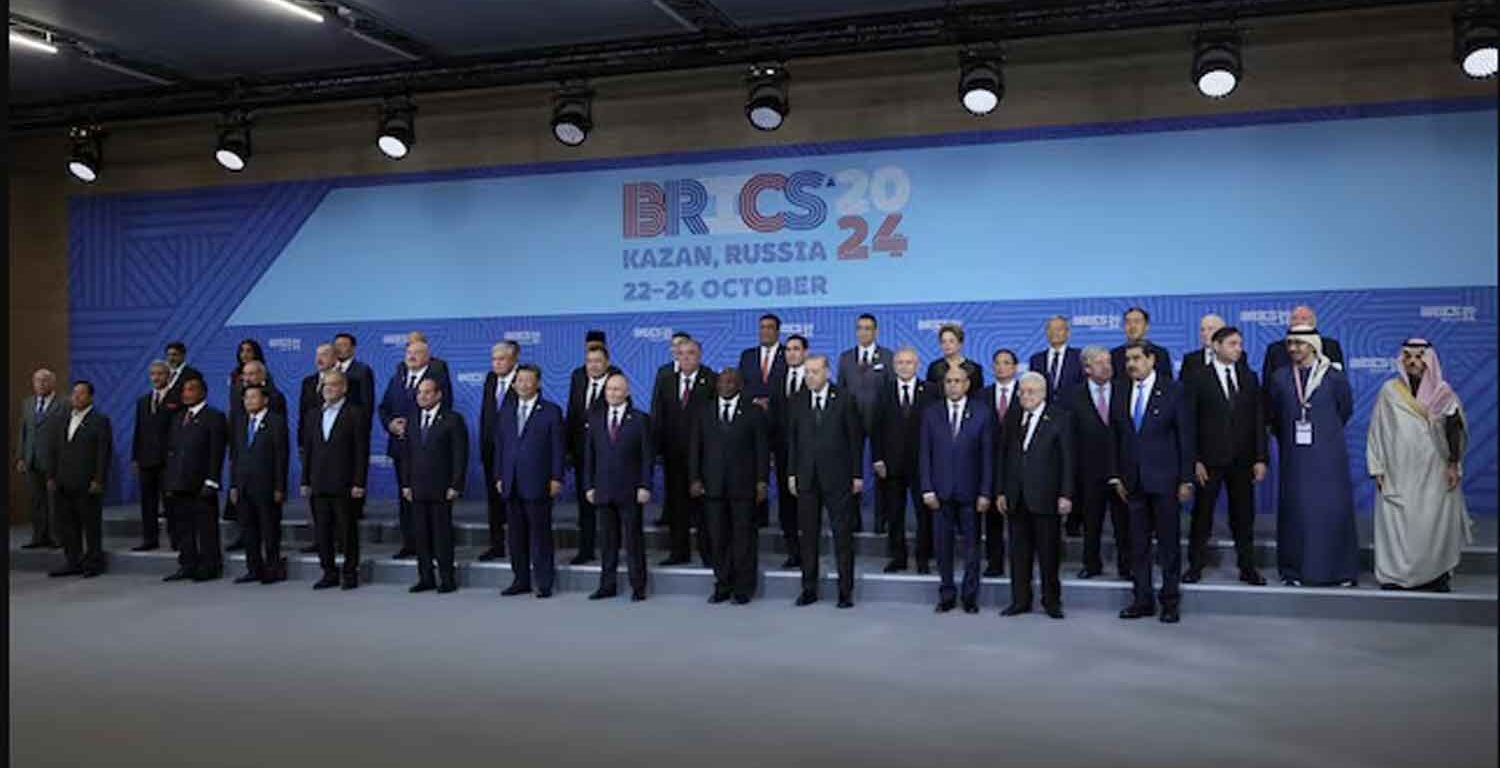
pixel 40 413
pixel 863 372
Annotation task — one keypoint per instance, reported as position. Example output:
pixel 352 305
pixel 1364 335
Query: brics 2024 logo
pixel 770 203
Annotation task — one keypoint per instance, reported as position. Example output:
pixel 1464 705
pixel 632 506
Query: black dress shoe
pixel 791 562
pixel 422 586
pixel 806 598
pixel 543 594
pixel 247 578
pixel 993 573
pixel 741 599
pixel 310 549
pixel 718 597
pixel 944 606
pixel 1169 614
pixel 53 545
pixel 90 573
pixel 1086 573
pixel 1137 611
pixel 178 575
pixel 207 576
pixel 1127 575
pixel 36 545
pixel 61 572
pixel 923 569
pixel 581 559
pixel 491 554
pixel 1015 610
pixel 845 602
pixel 327 582
pixel 515 589
pixel 671 561
pixel 600 594
pixel 405 554
pixel 638 595
pixel 894 567
pixel 147 547
pixel 272 578
pixel 1252 577
pixel 1055 612
pixel 446 587
pixel 971 607
pixel 1192 576
pixel 235 546
pixel 347 584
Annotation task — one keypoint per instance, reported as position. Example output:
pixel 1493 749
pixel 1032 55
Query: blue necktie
pixel 250 434
pixel 1138 415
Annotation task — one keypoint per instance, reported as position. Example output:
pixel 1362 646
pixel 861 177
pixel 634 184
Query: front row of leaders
pixel 1142 435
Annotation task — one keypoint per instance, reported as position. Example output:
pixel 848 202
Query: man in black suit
pixel 433 468
pixel 179 373
pixel 252 374
pixel 764 361
pixel 259 448
pixel 359 390
pixel 1195 360
pixel 309 405
pixel 82 446
pixel 824 458
pixel 1231 451
pixel 1276 355
pixel 1137 324
pixel 1037 476
pixel 437 366
pixel 195 456
pixel 1000 401
pixel 336 451
pixel 666 378
pixel 728 463
pixel 893 445
pixel 398 410
pixel 148 455
pixel 673 414
pixel 504 357
pixel 618 459
pixel 784 390
pixel 1091 403
pixel 1059 363
pixel 586 395
pixel 39 416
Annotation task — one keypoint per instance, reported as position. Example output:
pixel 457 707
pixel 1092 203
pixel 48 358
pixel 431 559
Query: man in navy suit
pixel 1137 323
pixel 585 396
pixel 863 372
pixel 529 443
pixel 1059 363
pixel 956 460
pixel 259 449
pixel 1037 483
pixel 618 459
pixel 433 470
pixel 398 410
pixel 335 466
pixel 764 361
pixel 195 456
pixel 728 463
pixel 1153 474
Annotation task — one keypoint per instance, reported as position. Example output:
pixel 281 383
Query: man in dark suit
pixel 179 373
pixel 1091 404
pixel 1276 355
pixel 1137 323
pixel 1231 452
pixel 40 414
pixel 1195 360
pixel 1153 427
pixel 504 357
pixel 1037 479
pixel 666 379
pixel 195 457
pixel 433 469
pixel 252 374
pixel 148 455
pixel 359 390
pixel 437 366
pixel 530 439
pixel 259 448
pixel 336 463
pixel 1059 363
pixel 398 409
pixel 1000 401
pixel 956 458
pixel 618 458
pixel 764 361
pixel 863 372
pixel 309 408
pixel 82 446
pixel 673 414
pixel 728 463
pixel 586 395
pixel 824 450
pixel 784 390
pixel 893 446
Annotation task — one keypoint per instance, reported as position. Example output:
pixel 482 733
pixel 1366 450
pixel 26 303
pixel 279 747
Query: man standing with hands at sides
pixel 195 456
pixel 309 405
pixel 433 469
pixel 336 462
pixel 40 414
pixel 1154 476
pixel 957 464
pixel 148 454
pixel 765 361
pixel 253 373
pixel 824 460
pixel 863 372
pixel 1226 402
pixel 398 410
pixel 497 390
pixel 894 445
pixel 784 392
pixel 529 442
pixel 1059 362
pixel 1037 478
pixel 586 395
pixel 728 462
pixel 1094 443
pixel 1201 358
pixel 673 414
pixel 258 453
pixel 666 379
pixel 82 447
pixel 1137 324
pixel 1000 400
pixel 618 459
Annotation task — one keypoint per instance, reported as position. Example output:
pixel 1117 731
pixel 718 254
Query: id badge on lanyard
pixel 1302 429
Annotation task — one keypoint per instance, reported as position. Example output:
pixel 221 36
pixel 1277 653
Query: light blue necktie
pixel 250 434
pixel 1138 415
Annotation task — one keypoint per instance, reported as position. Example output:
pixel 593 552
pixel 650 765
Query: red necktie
pixel 687 391
pixel 1004 402
pixel 614 427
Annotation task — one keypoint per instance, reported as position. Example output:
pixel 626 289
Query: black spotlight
pixel 572 115
pixel 981 84
pixel 87 152
pixel 398 128
pixel 233 151
pixel 768 102
pixel 1474 41
pixel 1216 63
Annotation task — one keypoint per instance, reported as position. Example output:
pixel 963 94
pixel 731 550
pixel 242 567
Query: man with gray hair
pixel 40 413
pixel 398 410
pixel 1093 457
pixel 1059 363
pixel 309 403
pixel 148 455
pixel 1195 360
pixel 1276 353
pixel 1036 482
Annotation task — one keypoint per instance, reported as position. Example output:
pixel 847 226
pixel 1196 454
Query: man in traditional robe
pixel 1310 403
pixel 1414 451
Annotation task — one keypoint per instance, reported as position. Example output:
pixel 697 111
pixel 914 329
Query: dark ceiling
pixel 211 51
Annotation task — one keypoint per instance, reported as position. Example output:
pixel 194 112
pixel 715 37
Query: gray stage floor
pixel 127 671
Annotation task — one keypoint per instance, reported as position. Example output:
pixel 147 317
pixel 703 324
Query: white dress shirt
pixel 865 355
pixel 595 391
pixel 956 415
pixel 732 403
pixel 1006 393
pixel 1226 371
pixel 331 415
pixel 524 409
pixel 1036 418
pixel 77 419
pixel 1139 390
pixel 795 375
pixel 413 378
pixel 502 386
pixel 820 398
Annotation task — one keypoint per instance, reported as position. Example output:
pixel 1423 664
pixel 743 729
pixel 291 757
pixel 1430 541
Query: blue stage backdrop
pixel 1383 217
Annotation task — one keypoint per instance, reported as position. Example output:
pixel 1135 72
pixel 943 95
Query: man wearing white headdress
pixel 1414 452
pixel 1310 402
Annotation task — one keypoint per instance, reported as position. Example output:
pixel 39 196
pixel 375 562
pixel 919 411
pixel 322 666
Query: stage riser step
pixel 1104 594
pixel 1220 555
